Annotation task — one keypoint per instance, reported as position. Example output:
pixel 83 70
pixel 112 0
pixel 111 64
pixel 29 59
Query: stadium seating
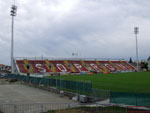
pixel 71 66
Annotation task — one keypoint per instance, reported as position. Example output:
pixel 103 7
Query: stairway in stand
pixel 126 65
pixel 104 68
pixel 50 66
pixel 86 66
pixel 116 67
pixel 69 66
pixel 28 66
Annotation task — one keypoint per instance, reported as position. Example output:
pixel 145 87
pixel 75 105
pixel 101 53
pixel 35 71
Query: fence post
pixel 92 93
pixel 96 108
pixel 15 108
pixel 136 99
pixel 0 107
pixel 42 108
pixel 56 83
pixel 68 108
pixel 126 109
pixel 109 92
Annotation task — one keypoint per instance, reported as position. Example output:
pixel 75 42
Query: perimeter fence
pixel 86 89
pixel 137 99
pixel 60 108
pixel 74 86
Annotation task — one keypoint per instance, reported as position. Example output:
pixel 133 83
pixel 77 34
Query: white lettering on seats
pixel 121 66
pixel 61 67
pixel 95 67
pixel 110 67
pixel 40 68
pixel 78 66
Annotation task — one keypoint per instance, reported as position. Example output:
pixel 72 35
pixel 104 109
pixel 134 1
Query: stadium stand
pixel 31 66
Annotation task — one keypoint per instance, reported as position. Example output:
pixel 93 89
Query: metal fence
pixel 74 86
pixel 86 88
pixel 130 98
pixel 60 108
pixel 100 94
pixel 34 107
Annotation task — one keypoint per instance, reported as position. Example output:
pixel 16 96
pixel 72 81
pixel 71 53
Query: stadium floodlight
pixel 136 31
pixel 13 13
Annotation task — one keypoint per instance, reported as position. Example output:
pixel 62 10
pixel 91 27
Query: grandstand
pixel 68 66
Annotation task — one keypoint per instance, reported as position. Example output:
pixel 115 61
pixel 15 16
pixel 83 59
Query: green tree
pixel 144 65
pixel 130 60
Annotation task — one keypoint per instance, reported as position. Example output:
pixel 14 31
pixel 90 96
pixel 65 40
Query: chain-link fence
pixel 34 107
pixel 60 108
pixel 70 108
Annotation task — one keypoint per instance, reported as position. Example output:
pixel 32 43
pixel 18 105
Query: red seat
pixel 40 66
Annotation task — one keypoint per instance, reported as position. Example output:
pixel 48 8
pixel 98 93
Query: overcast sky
pixel 91 28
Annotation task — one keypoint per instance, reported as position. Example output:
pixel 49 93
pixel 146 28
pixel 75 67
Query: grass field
pixel 138 82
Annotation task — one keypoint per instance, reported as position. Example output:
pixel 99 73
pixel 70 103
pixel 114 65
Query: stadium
pixel 68 66
pixel 86 83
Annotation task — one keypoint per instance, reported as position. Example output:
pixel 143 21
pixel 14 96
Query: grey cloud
pixel 92 28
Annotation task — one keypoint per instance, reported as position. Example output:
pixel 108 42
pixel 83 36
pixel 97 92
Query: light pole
pixel 12 13
pixel 136 31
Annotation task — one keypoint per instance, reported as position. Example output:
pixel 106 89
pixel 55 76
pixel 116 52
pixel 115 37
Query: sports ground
pixel 138 82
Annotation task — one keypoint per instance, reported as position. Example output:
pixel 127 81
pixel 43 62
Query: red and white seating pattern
pixel 72 66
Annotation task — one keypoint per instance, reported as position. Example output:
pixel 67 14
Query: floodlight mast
pixel 136 31
pixel 13 13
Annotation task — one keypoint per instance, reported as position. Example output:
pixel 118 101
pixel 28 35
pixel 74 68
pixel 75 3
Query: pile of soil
pixel 4 81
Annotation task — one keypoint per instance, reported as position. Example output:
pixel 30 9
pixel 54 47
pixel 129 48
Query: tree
pixel 130 60
pixel 144 65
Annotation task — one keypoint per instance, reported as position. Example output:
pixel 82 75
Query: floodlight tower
pixel 13 13
pixel 136 31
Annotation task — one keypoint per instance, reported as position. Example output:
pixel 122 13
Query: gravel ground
pixel 20 93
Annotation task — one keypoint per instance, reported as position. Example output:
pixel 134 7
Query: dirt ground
pixel 11 93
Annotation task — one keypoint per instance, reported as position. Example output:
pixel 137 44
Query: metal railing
pixel 34 107
pixel 74 86
pixel 60 108
pixel 71 108
pixel 126 98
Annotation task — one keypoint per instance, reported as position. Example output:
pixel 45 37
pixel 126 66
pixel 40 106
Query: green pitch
pixel 138 82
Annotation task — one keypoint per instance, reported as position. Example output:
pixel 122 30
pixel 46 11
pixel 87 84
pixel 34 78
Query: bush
pixel 13 80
